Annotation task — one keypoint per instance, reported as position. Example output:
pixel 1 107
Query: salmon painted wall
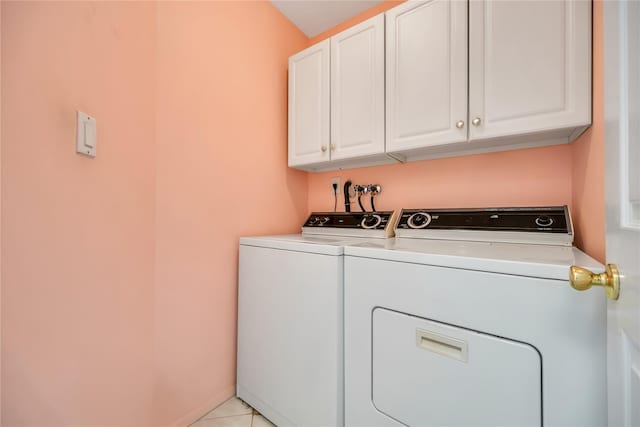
pixel 119 307
pixel 588 159
pixel 221 159
pixel 565 174
pixel 77 233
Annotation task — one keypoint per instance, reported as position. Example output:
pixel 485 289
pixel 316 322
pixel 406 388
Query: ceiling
pixel 315 16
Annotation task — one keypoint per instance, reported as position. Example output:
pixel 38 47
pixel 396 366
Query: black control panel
pixel 554 219
pixel 353 220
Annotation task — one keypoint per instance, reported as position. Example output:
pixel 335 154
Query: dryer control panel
pixel 357 224
pixel 542 225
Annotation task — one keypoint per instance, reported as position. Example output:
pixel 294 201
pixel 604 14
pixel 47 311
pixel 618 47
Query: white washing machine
pixel 290 318
pixel 467 318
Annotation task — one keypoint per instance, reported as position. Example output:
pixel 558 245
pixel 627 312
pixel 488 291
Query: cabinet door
pixel 357 90
pixel 426 74
pixel 309 105
pixel 530 66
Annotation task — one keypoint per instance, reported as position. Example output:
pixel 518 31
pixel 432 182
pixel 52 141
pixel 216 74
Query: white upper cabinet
pixel 530 68
pixel 457 77
pixel 426 79
pixel 336 101
pixel 357 90
pixel 309 105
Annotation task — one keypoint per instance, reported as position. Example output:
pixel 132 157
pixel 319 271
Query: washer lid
pixel 317 244
pixel 542 261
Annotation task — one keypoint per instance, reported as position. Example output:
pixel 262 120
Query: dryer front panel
pixel 567 327
pixel 427 373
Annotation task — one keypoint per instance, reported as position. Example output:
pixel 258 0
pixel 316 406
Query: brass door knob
pixel 582 279
pixel 333 146
pixel 476 121
pixel 323 148
pixel 460 124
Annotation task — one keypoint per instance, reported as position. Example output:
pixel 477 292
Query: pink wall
pixel 497 179
pixel 221 161
pixel 77 233
pixel 588 159
pixel 567 174
pixel 119 273
pixel 119 303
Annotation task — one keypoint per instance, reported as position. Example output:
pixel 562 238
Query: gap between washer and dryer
pixel 233 413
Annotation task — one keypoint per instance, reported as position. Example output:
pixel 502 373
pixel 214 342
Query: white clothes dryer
pixel 290 318
pixel 467 318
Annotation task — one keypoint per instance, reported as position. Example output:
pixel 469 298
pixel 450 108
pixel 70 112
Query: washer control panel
pixel 374 224
pixel 545 225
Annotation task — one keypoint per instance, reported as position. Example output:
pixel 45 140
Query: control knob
pixel 324 220
pixel 313 220
pixel 371 221
pixel 544 221
pixel 419 220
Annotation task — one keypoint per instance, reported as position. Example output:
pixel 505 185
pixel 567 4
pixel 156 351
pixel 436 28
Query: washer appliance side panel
pixel 290 336
pixel 567 327
pixel 426 373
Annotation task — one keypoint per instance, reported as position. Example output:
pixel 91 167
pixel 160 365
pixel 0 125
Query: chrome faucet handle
pixel 374 189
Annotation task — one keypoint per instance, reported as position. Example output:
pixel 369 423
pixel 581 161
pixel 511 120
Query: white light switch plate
pixel 86 140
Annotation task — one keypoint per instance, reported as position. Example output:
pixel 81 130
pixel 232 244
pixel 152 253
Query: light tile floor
pixel 233 413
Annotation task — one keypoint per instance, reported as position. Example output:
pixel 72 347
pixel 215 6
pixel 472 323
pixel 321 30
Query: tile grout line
pixel 226 416
pixel 252 412
pixel 218 418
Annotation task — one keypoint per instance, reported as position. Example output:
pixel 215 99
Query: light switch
pixel 90 134
pixel 86 135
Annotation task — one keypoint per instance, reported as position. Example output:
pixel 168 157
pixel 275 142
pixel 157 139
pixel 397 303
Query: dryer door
pixel 427 373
